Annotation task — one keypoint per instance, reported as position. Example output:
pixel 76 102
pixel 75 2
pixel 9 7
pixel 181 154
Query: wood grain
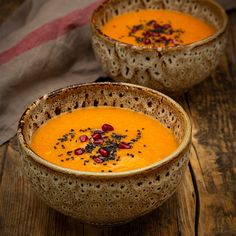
pixel 204 203
pixel 28 215
pixel 213 113
pixel 21 211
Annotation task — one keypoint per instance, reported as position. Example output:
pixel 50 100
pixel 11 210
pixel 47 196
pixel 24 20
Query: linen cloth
pixel 45 45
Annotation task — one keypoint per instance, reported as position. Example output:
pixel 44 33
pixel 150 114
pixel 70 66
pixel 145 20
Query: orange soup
pixel 103 139
pixel 157 28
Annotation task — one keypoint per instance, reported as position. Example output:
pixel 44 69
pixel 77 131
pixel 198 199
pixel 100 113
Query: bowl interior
pixel 136 98
pixel 206 10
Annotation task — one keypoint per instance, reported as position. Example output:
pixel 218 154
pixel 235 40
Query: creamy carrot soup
pixel 103 139
pixel 157 28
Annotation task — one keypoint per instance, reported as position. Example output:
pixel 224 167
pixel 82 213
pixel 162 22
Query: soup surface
pixel 103 139
pixel 157 28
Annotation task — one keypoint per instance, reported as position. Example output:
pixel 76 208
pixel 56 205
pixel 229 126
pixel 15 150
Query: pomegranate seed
pixel 96 136
pixel 147 41
pixel 163 38
pixel 103 152
pixel 124 145
pixel 166 26
pixel 98 141
pixel 79 151
pixel 172 41
pixel 83 138
pixel 170 31
pixel 156 26
pixel 154 34
pixel 97 159
pixel 107 127
pixel 98 131
pixel 147 34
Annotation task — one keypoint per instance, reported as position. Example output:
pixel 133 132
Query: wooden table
pixel 205 201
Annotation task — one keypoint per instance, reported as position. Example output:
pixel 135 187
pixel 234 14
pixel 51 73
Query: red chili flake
pixel 96 136
pixel 98 141
pixel 103 152
pixel 83 138
pixel 79 151
pixel 124 145
pixel 107 127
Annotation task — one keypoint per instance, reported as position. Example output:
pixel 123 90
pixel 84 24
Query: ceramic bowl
pixel 105 198
pixel 172 70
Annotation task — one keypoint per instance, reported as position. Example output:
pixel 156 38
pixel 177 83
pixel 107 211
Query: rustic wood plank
pixel 93 230
pixel 213 112
pixel 3 151
pixel 231 46
pixel 21 211
pixel 187 210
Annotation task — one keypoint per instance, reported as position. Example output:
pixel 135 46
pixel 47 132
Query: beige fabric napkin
pixel 44 46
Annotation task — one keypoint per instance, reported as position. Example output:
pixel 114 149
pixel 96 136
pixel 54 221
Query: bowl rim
pixel 162 49
pixel 181 147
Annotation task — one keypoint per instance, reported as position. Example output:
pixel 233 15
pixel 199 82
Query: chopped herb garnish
pixel 103 144
pixel 155 34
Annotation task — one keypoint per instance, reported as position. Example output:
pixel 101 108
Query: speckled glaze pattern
pixel 105 198
pixel 172 70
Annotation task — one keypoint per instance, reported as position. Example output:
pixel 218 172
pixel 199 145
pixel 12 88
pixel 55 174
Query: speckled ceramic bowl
pixel 171 70
pixel 105 198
